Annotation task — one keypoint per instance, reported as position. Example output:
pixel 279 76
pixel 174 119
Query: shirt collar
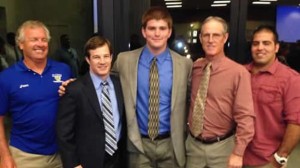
pixel 215 62
pixel 97 80
pixel 160 57
pixel 22 67
pixel 271 69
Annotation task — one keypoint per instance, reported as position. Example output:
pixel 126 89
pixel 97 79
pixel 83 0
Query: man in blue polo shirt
pixel 28 91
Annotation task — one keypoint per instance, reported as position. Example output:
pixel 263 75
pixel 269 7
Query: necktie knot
pixel 104 83
pixel 208 66
pixel 153 63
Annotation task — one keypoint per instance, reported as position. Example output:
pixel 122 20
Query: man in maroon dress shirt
pixel 276 96
pixel 229 114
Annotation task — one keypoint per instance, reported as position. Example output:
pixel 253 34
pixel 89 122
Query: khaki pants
pixel 214 155
pixel 158 154
pixel 28 160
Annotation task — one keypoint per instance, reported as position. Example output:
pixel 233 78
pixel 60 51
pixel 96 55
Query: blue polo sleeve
pixel 3 97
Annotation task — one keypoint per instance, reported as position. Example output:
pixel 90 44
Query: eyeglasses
pixel 213 36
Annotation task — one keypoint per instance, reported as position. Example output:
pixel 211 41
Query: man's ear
pixel 277 46
pixel 87 59
pixel 200 38
pixel 143 32
pixel 226 37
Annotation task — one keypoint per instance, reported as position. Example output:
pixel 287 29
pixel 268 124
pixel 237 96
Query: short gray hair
pixel 31 24
pixel 218 19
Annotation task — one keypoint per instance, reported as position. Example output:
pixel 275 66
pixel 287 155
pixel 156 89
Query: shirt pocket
pixel 269 94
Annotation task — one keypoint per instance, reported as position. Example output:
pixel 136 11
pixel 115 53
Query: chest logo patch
pixel 57 78
pixel 24 86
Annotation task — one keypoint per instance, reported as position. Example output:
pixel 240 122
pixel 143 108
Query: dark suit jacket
pixel 80 126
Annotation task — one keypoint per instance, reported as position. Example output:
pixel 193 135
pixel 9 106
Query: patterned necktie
pixel 110 134
pixel 153 123
pixel 199 105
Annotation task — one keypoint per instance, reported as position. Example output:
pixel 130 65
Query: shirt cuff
pixel 239 149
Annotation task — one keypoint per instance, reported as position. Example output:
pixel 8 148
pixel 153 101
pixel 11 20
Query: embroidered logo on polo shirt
pixel 57 78
pixel 24 86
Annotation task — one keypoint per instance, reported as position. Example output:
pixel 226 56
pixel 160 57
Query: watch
pixel 280 160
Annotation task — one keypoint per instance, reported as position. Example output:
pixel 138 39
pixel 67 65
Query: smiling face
pixel 264 49
pixel 213 37
pixel 100 61
pixel 156 33
pixel 35 44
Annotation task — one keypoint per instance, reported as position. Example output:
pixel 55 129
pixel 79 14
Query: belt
pixel 159 137
pixel 213 139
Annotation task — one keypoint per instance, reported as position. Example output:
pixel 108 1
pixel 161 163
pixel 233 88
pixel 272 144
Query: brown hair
pixel 96 42
pixel 157 13
pixel 266 28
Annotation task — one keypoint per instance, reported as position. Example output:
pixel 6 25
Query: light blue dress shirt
pixel 116 115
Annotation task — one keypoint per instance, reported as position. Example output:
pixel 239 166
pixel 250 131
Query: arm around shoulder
pixel 65 129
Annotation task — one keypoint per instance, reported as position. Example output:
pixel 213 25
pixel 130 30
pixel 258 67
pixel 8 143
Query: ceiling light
pixel 221 2
pixel 260 2
pixel 174 6
pixel 268 0
pixel 173 3
pixel 218 5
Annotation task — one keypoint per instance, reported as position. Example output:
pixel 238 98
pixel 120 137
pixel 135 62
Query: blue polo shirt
pixel 32 100
pixel 165 73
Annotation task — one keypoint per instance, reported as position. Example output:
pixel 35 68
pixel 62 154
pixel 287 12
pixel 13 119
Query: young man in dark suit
pixel 90 125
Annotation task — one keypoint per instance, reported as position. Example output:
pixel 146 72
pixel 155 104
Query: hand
pixel 7 162
pixel 235 161
pixel 62 87
pixel 79 166
pixel 199 59
pixel 275 164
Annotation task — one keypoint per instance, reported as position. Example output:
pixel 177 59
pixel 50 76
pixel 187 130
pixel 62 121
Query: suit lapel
pixel 91 93
pixel 119 96
pixel 133 128
pixel 176 69
pixel 133 68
